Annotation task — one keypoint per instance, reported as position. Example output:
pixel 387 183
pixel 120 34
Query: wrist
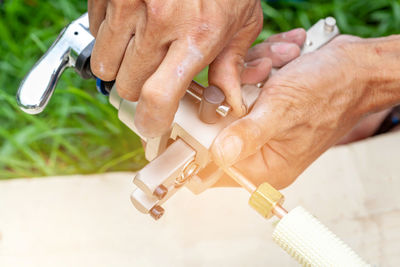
pixel 377 71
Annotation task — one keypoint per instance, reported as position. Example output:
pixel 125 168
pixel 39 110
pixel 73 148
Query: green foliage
pixel 79 132
pixel 364 18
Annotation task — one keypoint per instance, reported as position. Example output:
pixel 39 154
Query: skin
pixel 309 106
pixel 154 48
pixel 276 51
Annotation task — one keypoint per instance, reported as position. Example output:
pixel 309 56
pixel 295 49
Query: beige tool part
pixel 169 172
pixel 197 135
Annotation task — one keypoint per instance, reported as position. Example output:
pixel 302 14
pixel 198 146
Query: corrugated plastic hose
pixel 311 243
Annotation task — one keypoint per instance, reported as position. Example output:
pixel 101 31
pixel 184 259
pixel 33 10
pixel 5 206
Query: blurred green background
pixel 79 132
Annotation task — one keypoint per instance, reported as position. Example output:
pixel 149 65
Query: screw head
pixel 160 192
pixel 156 212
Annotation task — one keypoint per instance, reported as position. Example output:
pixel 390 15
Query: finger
pixel 297 36
pixel 265 166
pixel 161 93
pixel 142 58
pixel 97 13
pixel 225 70
pixel 280 53
pixel 248 134
pixel 256 71
pixel 113 36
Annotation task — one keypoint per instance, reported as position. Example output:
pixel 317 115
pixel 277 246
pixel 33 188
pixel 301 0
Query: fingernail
pixel 282 48
pixel 229 150
pixel 253 63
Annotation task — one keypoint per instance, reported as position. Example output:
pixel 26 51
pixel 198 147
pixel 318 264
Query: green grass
pixel 79 132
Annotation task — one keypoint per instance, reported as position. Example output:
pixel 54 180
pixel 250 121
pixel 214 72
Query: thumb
pixel 247 135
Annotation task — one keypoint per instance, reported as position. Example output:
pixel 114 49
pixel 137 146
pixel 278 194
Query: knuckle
pixel 157 14
pixel 204 28
pixel 205 32
pixel 154 96
pixel 122 13
pixel 125 92
pixel 212 29
pixel 120 4
pixel 114 24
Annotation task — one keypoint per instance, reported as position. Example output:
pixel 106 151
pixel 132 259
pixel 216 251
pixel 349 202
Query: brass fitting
pixel 264 200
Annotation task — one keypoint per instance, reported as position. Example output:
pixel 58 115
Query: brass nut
pixel 264 200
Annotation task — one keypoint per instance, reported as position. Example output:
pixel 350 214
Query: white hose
pixel 311 243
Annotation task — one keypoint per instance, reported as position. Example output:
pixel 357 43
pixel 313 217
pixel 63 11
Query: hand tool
pixel 181 157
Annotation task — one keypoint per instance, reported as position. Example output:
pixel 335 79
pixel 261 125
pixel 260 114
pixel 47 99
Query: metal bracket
pixel 188 127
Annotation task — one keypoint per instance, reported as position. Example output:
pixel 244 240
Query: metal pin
pixel 196 91
pixel 212 99
pixel 329 24
pixel 223 110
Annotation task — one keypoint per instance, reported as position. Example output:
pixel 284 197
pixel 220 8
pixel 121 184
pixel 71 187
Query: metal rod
pixel 195 90
pixel 279 211
pixel 240 179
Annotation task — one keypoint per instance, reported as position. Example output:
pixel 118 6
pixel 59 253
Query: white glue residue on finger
pixel 193 55
pixel 101 67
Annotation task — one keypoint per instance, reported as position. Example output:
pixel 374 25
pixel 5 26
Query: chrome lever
pixel 38 85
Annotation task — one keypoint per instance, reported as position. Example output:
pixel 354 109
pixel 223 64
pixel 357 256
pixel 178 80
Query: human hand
pixel 306 108
pixel 366 127
pixel 153 49
pixel 275 52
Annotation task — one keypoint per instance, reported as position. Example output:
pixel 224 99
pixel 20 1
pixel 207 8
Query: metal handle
pixel 38 86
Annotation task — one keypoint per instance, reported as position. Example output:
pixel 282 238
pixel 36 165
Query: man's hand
pixel 308 106
pixel 274 52
pixel 153 49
